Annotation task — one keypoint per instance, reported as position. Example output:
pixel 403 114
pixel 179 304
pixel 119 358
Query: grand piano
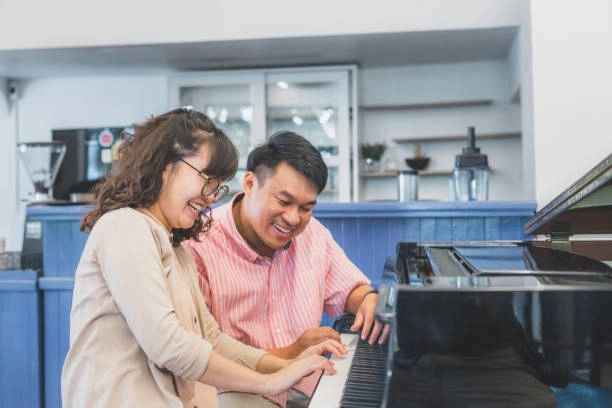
pixel 495 323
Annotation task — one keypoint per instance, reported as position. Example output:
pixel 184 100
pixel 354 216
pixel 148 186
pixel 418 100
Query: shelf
pixel 394 173
pixel 432 105
pixel 444 138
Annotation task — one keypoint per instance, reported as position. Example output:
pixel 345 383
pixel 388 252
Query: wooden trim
pixel 431 105
pixel 443 138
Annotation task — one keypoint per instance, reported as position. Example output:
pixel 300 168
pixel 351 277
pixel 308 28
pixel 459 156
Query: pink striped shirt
pixel 269 302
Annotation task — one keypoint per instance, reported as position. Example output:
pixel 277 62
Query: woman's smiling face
pixel 180 199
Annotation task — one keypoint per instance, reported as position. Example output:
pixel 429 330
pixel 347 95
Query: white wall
pixel 66 103
pixel 8 159
pixel 435 83
pixel 572 85
pixel 67 23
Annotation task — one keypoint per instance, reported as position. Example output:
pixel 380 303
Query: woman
pixel 140 334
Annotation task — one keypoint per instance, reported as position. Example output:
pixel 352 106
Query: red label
pixel 105 138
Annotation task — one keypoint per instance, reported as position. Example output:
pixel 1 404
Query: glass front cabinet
pixel 251 105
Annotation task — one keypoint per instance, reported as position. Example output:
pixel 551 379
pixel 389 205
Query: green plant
pixel 373 151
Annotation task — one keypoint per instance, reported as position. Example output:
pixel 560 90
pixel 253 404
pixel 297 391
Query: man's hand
pixel 309 337
pixel 324 348
pixel 316 335
pixel 364 316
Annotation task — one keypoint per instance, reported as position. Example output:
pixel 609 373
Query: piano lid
pixel 583 208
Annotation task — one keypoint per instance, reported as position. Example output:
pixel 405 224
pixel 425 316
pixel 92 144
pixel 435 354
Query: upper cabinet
pixel 251 105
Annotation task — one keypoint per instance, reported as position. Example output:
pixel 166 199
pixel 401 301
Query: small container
pixel 10 260
pixel 407 185
pixel 471 174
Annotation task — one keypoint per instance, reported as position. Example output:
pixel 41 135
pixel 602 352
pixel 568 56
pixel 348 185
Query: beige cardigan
pixel 140 333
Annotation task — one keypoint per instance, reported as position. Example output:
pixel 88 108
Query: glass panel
pixel 307 108
pixel 229 106
pixel 231 109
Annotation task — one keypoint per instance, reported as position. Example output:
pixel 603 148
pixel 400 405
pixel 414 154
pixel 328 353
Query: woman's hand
pixel 222 372
pixel 283 379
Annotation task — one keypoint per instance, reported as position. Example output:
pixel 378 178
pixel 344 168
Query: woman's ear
pixel 167 172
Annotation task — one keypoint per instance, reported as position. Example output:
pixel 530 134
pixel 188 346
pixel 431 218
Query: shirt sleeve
pixel 135 258
pixel 342 275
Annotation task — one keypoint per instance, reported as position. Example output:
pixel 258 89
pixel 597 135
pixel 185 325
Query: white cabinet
pixel 251 105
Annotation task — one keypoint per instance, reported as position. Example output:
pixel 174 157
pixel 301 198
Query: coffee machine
pixel 42 161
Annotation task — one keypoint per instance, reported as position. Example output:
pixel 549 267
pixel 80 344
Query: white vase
pixel 371 165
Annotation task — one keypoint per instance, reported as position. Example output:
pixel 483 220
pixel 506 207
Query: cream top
pixel 140 334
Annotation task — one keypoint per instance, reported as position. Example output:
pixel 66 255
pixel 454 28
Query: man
pixel 268 269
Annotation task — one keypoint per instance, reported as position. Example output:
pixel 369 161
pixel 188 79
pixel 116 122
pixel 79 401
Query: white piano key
pixel 329 390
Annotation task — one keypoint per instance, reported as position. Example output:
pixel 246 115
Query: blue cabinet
pixel 63 243
pixel 20 339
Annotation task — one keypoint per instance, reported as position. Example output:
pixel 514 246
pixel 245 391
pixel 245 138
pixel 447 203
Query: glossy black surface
pixel 479 320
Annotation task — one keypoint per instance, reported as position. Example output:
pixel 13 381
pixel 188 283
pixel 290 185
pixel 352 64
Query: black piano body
pixel 507 323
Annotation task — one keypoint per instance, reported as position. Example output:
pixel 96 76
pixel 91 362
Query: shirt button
pixel 273 298
pixel 278 330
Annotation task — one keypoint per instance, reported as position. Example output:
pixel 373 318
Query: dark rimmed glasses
pixel 212 186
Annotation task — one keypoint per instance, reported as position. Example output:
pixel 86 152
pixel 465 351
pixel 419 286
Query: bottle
pixel 407 187
pixel 471 174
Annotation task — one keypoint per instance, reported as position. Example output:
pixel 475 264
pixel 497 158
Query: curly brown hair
pixel 136 180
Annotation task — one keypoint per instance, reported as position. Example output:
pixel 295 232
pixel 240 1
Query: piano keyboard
pixel 360 382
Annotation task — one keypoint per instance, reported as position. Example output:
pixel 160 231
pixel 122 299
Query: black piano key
pixel 365 383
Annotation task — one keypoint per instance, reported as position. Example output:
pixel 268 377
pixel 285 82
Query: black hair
pixel 296 151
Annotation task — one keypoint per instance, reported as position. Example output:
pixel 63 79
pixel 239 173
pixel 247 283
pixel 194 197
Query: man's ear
pixel 248 181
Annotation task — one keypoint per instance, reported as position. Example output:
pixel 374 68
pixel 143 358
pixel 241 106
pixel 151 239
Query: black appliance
pixel 90 153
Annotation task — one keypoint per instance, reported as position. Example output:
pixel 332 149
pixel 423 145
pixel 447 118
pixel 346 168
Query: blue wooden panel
pixel 476 230
pixel 443 229
pixel 350 231
pixel 334 225
pixel 56 315
pixel 369 233
pixel 427 229
pixel 62 247
pixel 20 339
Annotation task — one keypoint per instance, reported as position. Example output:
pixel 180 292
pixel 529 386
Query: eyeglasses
pixel 212 186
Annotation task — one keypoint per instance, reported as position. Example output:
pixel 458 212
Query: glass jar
pixel 471 183
pixel 471 174
pixel 407 186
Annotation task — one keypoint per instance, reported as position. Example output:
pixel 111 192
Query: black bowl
pixel 417 163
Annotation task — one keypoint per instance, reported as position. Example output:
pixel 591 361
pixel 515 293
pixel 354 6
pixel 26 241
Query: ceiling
pixel 364 50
